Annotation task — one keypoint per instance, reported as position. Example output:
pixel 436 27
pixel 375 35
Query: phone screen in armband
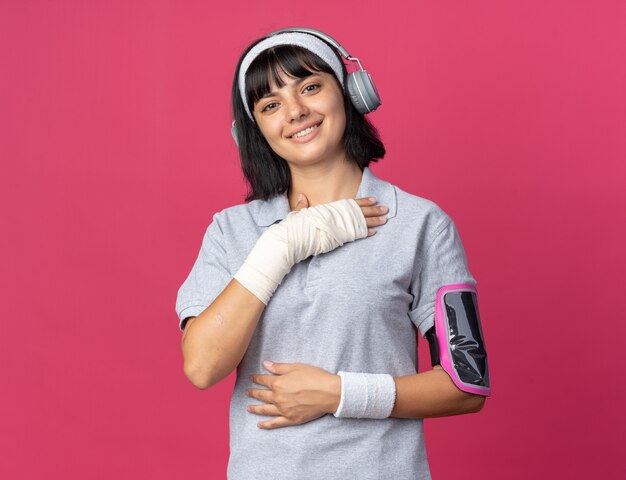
pixel 462 352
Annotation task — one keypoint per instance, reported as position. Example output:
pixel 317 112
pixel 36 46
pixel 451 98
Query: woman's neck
pixel 324 183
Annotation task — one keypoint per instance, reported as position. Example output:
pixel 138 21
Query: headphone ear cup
pixel 362 92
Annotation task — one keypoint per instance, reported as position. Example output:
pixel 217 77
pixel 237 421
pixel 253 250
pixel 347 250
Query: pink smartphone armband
pixel 456 340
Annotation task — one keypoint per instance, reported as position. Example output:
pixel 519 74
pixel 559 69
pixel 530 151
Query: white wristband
pixel 310 231
pixel 366 395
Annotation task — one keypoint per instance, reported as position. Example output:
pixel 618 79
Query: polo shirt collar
pixel 277 207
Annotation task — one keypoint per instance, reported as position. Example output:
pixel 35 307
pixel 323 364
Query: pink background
pixel 116 152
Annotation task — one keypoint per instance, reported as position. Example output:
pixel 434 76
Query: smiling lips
pixel 305 134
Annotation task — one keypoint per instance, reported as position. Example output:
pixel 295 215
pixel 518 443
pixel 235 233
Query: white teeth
pixel 304 132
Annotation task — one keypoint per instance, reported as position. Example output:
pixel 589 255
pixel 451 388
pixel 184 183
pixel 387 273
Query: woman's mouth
pixel 305 135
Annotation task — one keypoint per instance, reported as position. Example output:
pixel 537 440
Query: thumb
pixel 303 202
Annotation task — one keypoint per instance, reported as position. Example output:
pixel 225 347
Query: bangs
pixel 296 62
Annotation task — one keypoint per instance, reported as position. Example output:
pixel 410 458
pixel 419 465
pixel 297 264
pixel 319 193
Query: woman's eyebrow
pixel 296 83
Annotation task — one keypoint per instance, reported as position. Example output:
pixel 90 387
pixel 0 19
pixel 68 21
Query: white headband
pixel 304 40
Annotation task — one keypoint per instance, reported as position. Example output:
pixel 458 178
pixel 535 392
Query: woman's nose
pixel 296 109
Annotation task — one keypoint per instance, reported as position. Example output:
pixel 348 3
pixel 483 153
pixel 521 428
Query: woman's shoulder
pixel 420 208
pixel 239 214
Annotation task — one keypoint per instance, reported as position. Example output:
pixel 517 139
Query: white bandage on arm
pixel 302 233
pixel 366 395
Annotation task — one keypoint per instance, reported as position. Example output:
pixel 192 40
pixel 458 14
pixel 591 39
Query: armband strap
pixel 366 395
pixel 432 345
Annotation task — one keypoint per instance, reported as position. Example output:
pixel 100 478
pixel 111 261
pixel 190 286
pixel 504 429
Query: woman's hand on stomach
pixel 295 393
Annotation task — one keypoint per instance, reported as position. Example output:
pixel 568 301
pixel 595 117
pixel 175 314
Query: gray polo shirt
pixel 355 309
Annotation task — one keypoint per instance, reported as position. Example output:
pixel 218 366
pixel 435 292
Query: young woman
pixel 327 271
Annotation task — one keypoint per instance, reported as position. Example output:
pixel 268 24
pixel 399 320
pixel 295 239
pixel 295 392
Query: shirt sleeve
pixel 208 277
pixel 442 262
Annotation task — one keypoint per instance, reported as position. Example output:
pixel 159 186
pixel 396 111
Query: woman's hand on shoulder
pixel 375 215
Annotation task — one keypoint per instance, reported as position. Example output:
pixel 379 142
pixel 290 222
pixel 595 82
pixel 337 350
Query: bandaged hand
pixel 310 231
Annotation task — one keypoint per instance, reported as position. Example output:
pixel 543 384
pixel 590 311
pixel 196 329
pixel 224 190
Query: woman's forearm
pixel 424 395
pixel 432 394
pixel 215 341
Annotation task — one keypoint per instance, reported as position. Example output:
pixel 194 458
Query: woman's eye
pixel 311 87
pixel 269 106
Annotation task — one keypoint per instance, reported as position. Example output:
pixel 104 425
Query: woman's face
pixel 304 121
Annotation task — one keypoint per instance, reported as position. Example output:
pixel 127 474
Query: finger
pixel 374 211
pixel 376 221
pixel 260 394
pixel 275 423
pixel 366 201
pixel 280 368
pixel 266 409
pixel 262 379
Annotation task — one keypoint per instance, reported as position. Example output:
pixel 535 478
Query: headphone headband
pixel 302 39
pixel 318 34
